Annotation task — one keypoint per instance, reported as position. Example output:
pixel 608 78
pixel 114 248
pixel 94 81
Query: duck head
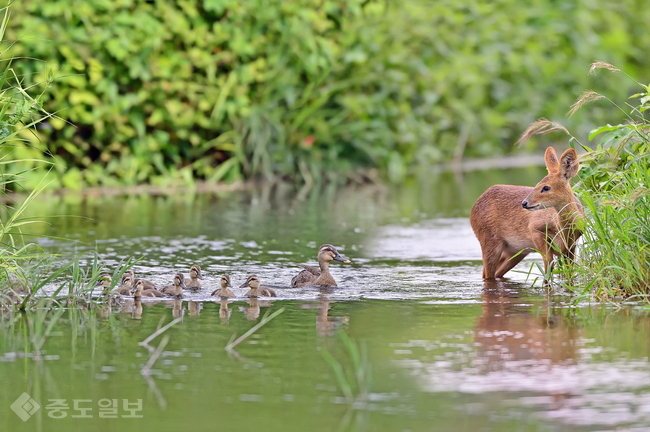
pixel 328 253
pixel 128 274
pixel 179 280
pixel 195 272
pixel 225 282
pixel 253 282
pixel 104 279
pixel 136 291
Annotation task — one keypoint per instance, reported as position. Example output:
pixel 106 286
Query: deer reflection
pixel 508 330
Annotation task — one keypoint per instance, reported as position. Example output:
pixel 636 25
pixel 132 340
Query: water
pixel 446 351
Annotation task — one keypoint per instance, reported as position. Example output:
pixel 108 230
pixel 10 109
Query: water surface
pixel 446 351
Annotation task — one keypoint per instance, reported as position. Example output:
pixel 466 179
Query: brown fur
pixel 505 225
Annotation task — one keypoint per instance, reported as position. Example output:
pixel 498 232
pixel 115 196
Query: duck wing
pixel 268 292
pixel 304 278
pixel 313 270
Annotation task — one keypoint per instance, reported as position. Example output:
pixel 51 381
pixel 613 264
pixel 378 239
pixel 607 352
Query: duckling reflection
pixel 177 308
pixel 224 310
pixel 252 312
pixel 320 276
pixel 194 308
pixel 193 283
pixel 137 308
pixel 224 290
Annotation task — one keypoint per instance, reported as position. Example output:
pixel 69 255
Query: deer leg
pixel 507 264
pixel 491 252
pixel 541 241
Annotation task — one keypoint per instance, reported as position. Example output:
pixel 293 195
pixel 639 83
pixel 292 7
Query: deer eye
pixel 546 188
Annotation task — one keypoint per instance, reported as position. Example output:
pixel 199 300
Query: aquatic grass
pixel 613 260
pixel 355 380
pixel 20 259
pixel 230 346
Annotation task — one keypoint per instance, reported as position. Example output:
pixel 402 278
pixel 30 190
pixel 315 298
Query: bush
pixel 614 186
pixel 173 90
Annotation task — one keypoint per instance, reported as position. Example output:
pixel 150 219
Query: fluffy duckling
pixel 224 291
pixel 125 288
pixel 104 280
pixel 253 282
pixel 319 276
pixel 175 290
pixel 139 290
pixel 193 281
pixel 130 273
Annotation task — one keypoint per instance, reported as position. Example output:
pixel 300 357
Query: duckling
pixel 104 281
pixel 130 273
pixel 193 281
pixel 138 290
pixel 253 282
pixel 224 291
pixel 319 276
pixel 125 288
pixel 175 290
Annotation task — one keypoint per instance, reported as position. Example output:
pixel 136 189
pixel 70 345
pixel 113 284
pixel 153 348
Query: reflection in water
pixel 177 308
pixel 508 331
pixel 224 311
pixel 326 325
pixel 252 312
pixel 137 309
pixel 194 308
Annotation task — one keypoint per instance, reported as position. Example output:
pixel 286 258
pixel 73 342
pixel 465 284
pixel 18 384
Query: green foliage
pixel 615 179
pixel 167 91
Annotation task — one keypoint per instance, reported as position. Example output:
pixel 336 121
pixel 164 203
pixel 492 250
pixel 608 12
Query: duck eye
pixel 546 188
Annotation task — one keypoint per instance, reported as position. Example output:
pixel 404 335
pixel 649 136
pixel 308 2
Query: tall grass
pixel 25 267
pixel 614 186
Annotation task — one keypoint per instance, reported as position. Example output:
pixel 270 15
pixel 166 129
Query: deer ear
pixel 569 164
pixel 552 164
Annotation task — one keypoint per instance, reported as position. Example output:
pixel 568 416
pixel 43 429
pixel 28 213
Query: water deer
pixel 512 221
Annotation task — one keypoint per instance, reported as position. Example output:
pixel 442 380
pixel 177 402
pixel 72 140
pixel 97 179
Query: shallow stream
pixel 445 351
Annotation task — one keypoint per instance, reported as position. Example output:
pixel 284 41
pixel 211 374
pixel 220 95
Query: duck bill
pixel 342 259
pixel 199 275
pixel 133 290
pixel 183 284
pixel 244 285
pixel 228 284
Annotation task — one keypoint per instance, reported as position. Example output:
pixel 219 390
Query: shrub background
pixel 161 91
